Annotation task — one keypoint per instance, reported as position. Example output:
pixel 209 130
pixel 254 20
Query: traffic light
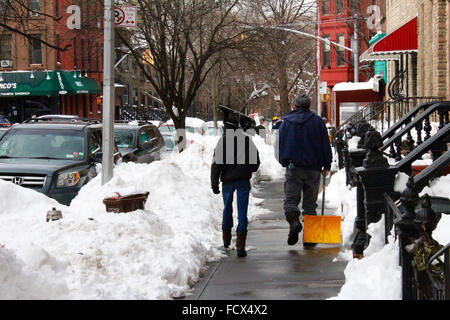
pixel 100 100
pixel 325 97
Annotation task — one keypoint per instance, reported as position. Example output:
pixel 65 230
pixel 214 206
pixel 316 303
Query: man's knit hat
pixel 302 101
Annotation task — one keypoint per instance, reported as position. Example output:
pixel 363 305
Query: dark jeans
pixel 243 192
pixel 300 181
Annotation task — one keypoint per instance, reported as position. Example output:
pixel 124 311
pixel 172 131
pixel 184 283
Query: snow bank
pixel 377 276
pixel 155 253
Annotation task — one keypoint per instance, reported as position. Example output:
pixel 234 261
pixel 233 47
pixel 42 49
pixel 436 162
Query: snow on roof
pixel 351 86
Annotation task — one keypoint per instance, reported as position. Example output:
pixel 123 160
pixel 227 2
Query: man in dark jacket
pixel 305 152
pixel 235 159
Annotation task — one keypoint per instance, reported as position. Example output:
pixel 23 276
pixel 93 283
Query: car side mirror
pixel 98 157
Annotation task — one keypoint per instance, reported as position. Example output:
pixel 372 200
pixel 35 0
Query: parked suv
pixel 4 122
pixel 54 158
pixel 141 143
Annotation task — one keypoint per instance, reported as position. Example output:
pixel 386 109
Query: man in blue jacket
pixel 305 152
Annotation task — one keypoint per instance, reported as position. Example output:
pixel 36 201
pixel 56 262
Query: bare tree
pixel 16 16
pixel 283 57
pixel 183 39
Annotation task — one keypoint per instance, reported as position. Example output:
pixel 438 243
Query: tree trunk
pixel 284 92
pixel 180 133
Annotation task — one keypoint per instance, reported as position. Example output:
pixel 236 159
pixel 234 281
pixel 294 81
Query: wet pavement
pixel 273 270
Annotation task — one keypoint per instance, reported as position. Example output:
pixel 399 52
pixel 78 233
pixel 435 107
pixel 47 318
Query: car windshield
pixel 190 129
pixel 167 128
pixel 170 141
pixel 124 138
pixel 43 144
pixel 210 131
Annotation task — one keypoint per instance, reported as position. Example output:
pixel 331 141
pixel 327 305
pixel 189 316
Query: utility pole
pixel 356 49
pixel 356 54
pixel 108 93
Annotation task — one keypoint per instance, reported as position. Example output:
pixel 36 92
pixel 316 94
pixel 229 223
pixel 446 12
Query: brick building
pixel 38 79
pixel 433 69
pixel 337 23
pixel 427 67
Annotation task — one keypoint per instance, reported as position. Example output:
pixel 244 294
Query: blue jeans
pixel 243 192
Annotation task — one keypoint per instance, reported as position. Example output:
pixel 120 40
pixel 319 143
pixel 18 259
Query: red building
pixel 80 29
pixel 337 21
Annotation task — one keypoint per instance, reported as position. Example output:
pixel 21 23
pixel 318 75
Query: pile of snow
pixel 377 276
pixel 155 253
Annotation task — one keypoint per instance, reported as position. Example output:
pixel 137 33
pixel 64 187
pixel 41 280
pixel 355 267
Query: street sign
pixel 323 88
pixel 125 17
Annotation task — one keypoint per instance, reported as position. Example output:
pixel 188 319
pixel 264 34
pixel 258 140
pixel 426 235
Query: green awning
pixel 76 84
pixel 43 83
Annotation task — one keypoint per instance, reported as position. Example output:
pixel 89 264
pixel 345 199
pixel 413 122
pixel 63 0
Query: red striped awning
pixel 402 40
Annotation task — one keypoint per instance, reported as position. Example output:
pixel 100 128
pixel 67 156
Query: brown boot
pixel 226 236
pixel 295 227
pixel 240 244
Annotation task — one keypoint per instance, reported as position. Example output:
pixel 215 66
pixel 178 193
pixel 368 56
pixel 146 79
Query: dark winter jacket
pixel 237 161
pixel 303 139
pixel 277 125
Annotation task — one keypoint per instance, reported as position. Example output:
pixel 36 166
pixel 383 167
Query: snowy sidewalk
pixel 273 270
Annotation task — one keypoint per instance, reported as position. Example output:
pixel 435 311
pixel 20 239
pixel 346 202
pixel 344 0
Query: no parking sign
pixel 125 16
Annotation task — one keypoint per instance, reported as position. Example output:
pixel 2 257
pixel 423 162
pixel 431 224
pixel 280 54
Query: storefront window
pixel 35 50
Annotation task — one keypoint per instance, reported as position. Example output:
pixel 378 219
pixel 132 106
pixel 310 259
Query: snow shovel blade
pixel 322 229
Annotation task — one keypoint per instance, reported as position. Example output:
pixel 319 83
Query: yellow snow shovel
pixel 322 229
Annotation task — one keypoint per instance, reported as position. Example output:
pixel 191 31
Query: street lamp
pixel 126 55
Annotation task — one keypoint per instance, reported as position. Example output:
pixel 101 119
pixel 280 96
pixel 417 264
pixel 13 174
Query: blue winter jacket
pixel 303 139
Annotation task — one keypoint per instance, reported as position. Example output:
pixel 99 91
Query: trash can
pixel 124 204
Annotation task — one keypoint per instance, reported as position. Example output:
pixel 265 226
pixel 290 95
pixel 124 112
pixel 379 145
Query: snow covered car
pixel 54 158
pixel 166 128
pixel 193 125
pixel 209 130
pixel 169 139
pixel 3 131
pixel 141 143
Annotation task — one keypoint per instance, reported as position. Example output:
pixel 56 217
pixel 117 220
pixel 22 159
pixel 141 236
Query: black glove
pixel 216 190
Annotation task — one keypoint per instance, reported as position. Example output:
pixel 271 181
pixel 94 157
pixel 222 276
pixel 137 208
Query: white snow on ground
pixel 156 253
pixel 159 252
pixel 377 276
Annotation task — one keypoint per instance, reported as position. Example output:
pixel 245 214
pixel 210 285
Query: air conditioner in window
pixel 5 63
pixel 34 14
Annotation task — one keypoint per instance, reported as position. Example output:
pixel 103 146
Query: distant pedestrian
pixel 305 151
pixel 261 129
pixel 235 159
pixel 276 123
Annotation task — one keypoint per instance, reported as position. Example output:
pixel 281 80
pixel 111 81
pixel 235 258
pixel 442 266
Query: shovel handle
pixel 323 192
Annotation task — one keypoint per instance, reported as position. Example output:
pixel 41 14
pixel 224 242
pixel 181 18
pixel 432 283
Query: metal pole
pixel 108 94
pixel 356 56
pixel 356 50
pixel 319 65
